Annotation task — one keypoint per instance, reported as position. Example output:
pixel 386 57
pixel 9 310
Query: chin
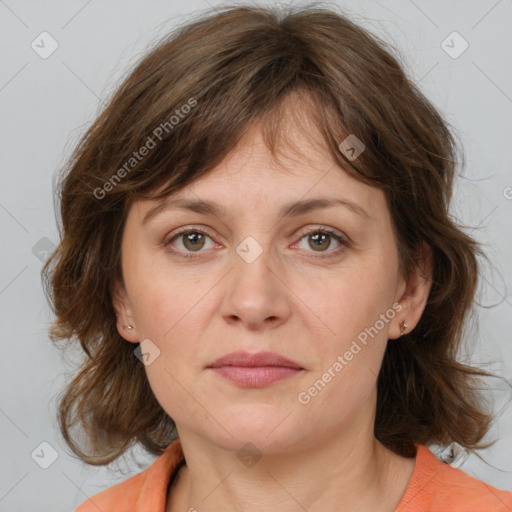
pixel 254 443
pixel 268 433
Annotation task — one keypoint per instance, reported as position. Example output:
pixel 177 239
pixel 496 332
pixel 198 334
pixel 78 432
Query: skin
pixel 290 300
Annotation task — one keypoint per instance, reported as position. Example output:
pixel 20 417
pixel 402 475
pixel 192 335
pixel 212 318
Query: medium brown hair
pixel 234 67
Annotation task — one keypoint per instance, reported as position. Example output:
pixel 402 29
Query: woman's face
pixel 256 281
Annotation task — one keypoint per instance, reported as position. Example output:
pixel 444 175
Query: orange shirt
pixel 434 487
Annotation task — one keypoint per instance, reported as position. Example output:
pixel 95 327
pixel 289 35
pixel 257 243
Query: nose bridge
pixel 254 294
pixel 252 261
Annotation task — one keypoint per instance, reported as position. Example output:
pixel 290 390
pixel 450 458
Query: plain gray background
pixel 46 103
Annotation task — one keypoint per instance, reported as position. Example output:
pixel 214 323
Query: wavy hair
pixel 233 67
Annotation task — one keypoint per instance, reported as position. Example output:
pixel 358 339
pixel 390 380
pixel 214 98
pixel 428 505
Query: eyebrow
pixel 288 210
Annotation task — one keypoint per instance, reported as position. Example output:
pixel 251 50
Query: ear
pixel 124 317
pixel 413 294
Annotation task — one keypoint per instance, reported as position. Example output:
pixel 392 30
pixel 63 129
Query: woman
pixel 258 260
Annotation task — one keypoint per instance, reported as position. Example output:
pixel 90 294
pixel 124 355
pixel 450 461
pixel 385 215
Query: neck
pixel 332 474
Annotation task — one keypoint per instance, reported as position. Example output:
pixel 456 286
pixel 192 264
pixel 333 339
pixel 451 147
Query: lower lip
pixel 257 376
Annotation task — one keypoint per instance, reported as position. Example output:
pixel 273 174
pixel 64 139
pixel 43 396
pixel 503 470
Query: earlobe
pixel 124 320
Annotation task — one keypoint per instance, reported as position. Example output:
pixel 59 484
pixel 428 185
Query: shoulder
pixel 436 487
pixel 143 491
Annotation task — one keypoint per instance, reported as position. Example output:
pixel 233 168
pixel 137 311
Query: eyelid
pixel 185 229
pixel 323 228
pixel 302 232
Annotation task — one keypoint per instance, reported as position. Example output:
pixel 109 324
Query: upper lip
pixel 254 360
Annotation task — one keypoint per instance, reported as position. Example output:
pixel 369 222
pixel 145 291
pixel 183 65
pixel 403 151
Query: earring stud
pixel 129 327
pixel 403 328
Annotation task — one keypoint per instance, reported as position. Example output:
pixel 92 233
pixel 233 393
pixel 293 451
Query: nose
pixel 255 295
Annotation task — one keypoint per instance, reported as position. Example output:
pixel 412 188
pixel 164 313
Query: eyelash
pixel 318 230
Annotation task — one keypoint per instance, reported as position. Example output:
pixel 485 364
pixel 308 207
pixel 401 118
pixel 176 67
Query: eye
pixel 192 240
pixel 321 239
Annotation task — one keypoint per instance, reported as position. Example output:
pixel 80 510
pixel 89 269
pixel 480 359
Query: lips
pixel 260 359
pixel 259 370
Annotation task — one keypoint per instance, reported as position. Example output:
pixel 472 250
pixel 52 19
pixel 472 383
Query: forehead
pixel 251 173
pixel 301 167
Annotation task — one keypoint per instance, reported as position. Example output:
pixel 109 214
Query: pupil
pixel 193 238
pixel 319 237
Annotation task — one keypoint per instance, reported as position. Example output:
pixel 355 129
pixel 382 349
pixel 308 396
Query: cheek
pixel 174 311
pixel 354 310
pixel 346 303
pixel 162 297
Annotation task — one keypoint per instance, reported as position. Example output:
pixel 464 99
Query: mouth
pixel 255 370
